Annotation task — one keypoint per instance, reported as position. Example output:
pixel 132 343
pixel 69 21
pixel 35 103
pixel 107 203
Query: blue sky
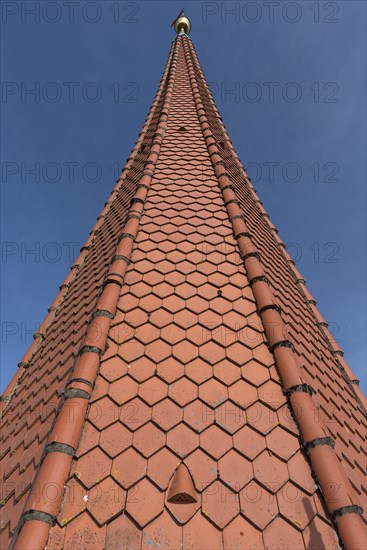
pixel 289 80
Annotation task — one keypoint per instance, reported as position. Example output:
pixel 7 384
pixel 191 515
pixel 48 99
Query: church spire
pixel 184 370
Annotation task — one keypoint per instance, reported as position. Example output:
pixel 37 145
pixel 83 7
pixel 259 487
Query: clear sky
pixel 289 80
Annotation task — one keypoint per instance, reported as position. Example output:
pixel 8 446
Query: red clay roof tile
pixel 295 506
pixel 162 533
pixel 122 528
pixel 74 502
pixel 170 370
pixel 167 414
pixel 115 439
pixel 215 441
pixel 241 535
pixel 144 502
pixel 84 532
pixel 258 504
pixel 235 470
pixel 270 471
pixel 183 391
pixel 319 534
pixel 280 535
pixel 182 440
pixel 153 390
pixel 148 439
pixel 282 443
pixel 161 466
pixel 106 501
pixel 227 372
pixel 92 467
pixel 198 371
pixel 230 417
pixel 128 468
pixel 121 391
pixel 134 414
pixel 213 392
pixel 220 504
pixel 243 394
pixel 200 533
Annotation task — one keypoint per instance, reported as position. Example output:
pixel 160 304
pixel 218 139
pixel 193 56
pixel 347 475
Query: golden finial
pixel 182 24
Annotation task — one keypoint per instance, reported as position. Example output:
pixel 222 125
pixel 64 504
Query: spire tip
pixel 182 24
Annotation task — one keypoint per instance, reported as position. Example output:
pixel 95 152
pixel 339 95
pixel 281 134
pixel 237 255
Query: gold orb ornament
pixel 182 23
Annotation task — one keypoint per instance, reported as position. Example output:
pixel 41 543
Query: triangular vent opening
pixel 181 489
pixel 182 130
pixel 181 498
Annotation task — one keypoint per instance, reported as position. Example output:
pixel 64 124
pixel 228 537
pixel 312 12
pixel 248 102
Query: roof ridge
pixel 39 513
pixel 346 371
pixel 318 444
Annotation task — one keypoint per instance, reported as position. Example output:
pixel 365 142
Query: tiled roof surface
pixel 188 439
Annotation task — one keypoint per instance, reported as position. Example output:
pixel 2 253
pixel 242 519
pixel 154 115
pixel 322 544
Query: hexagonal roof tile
pixel 128 468
pixel 161 467
pixel 134 414
pixel 141 369
pixel 153 390
pixel 167 414
pixel 182 440
pixel 215 441
pixel 230 417
pixel 240 535
pixel 270 471
pixel 258 505
pixel 144 502
pixel 281 535
pixel 183 391
pixel 93 467
pixel 220 504
pixel 115 439
pixel 123 390
pixel 108 501
pixel 213 392
pixel 249 442
pixel 148 439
